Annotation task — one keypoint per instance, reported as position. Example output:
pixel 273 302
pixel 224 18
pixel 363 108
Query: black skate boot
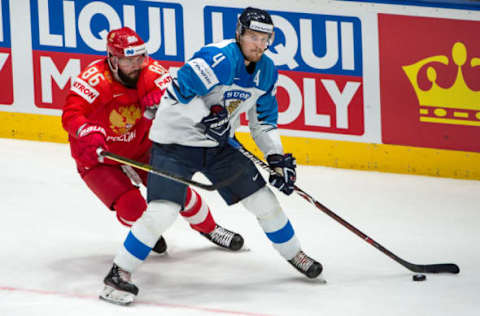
pixel 161 246
pixel 225 238
pixel 118 288
pixel 306 265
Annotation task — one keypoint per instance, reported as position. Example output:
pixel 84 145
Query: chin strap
pixel 114 70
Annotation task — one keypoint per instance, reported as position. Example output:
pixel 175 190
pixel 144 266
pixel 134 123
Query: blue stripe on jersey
pixel 182 95
pixel 137 248
pixel 282 235
pixel 267 112
pixel 267 106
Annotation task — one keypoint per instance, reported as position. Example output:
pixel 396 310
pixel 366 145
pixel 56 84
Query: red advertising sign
pixel 6 75
pixel 53 72
pixel 319 103
pixel 6 78
pixel 331 103
pixel 430 82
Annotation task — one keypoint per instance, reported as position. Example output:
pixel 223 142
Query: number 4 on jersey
pixel 217 59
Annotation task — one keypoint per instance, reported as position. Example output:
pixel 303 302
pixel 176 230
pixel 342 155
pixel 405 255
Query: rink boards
pixel 362 85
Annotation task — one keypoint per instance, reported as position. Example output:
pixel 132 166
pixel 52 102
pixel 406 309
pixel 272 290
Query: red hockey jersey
pixel 95 97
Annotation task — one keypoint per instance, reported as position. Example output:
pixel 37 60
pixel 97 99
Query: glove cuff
pixel 87 129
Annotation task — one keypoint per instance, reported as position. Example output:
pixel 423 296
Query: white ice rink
pixel 58 241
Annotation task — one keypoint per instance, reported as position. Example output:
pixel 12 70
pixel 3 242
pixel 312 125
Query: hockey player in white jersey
pixel 193 123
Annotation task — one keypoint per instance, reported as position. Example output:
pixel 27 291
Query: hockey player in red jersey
pixel 111 106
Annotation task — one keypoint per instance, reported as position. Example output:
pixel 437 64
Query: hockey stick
pixel 151 169
pixel 419 268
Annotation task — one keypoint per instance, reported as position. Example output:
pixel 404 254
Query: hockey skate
pixel 225 238
pixel 118 288
pixel 161 246
pixel 306 265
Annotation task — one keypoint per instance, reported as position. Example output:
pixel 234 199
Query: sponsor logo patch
pixel 204 72
pixel 125 138
pixel 84 90
pixel 163 81
pixel 131 39
pixel 261 27
pixel 134 50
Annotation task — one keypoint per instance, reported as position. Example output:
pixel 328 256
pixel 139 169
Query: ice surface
pixel 58 241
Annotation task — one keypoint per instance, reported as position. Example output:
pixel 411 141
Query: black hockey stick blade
pixel 433 268
pixel 151 169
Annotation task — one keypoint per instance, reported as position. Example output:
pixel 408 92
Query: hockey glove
pixel 150 103
pixel 90 138
pixel 284 166
pixel 217 124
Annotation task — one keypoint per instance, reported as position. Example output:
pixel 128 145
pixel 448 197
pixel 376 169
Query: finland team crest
pixel 233 98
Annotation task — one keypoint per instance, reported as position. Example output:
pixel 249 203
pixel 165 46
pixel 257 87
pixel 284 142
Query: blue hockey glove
pixel 217 125
pixel 285 176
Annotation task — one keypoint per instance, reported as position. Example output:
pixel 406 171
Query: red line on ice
pixel 91 297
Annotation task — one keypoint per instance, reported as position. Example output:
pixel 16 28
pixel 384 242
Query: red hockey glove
pixel 90 138
pixel 150 103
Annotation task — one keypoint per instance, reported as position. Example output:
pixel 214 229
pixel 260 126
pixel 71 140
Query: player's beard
pixel 130 79
pixel 254 55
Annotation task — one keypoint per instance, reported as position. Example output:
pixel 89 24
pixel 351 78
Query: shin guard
pixel 273 221
pixel 145 232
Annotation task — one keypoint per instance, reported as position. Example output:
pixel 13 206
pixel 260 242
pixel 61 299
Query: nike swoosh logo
pixel 255 177
pixel 118 94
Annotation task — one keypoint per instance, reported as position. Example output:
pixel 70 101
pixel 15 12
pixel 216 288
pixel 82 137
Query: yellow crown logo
pixel 458 104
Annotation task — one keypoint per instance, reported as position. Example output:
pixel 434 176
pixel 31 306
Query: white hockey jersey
pixel 216 74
